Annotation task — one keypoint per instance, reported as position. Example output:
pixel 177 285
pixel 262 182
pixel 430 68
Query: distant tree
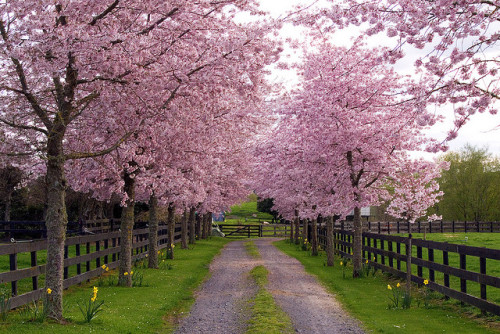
pixel 266 205
pixel 470 186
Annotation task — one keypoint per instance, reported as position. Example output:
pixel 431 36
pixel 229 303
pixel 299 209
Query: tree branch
pixel 106 12
pixel 83 155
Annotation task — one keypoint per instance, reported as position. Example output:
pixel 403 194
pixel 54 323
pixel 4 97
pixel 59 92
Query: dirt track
pixel 219 306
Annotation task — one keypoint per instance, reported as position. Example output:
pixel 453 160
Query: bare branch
pixel 106 12
pixel 83 155
pixel 158 22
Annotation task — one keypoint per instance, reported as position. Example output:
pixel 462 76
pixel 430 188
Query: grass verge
pixel 252 250
pixel 367 299
pixel 267 316
pixel 165 295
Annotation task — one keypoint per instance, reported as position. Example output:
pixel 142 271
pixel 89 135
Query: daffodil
pixel 103 266
pixel 125 273
pixel 49 291
pixel 426 282
pixel 131 273
pixel 341 263
pixel 107 269
pixel 172 246
pixel 389 287
pixel 366 262
pixel 398 285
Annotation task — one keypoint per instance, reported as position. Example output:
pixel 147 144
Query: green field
pixel 367 299
pixel 165 294
pixel 246 212
pixel 487 240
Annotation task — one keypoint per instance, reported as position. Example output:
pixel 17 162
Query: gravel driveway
pixel 220 303
pixel 311 308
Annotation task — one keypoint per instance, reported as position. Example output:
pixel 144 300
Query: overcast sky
pixel 482 130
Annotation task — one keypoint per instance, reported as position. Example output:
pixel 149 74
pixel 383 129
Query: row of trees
pixel 471 186
pixel 160 102
pixel 140 101
pixel 343 137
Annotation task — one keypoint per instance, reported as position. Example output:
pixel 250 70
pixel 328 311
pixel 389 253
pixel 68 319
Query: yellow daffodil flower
pixel 426 282
pixel 398 285
pixel 125 273
pixel 389 287
pixel 49 291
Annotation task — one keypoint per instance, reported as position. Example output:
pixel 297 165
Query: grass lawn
pixel 246 212
pixel 165 294
pixel 367 299
pixel 487 240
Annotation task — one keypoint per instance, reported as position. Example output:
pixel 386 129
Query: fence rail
pixel 255 230
pixel 456 271
pixel 421 227
pixel 83 257
pixel 38 230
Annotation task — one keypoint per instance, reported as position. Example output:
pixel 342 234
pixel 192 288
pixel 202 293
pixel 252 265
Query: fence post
pixel 453 226
pixel 408 265
pixel 478 227
pixel 482 270
pixel 66 269
pixel 446 276
pixel 465 226
pixel 463 282
pixel 430 256
pixel 442 227
pixel 13 267
pixel 388 228
pixel 79 264
pixel 398 226
pixel 379 230
pixel 34 279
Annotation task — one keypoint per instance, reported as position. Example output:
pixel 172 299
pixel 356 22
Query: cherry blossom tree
pixel 77 78
pixel 459 42
pixel 346 131
pixel 415 189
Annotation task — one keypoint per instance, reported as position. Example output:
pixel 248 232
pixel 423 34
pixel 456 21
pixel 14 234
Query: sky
pixel 482 130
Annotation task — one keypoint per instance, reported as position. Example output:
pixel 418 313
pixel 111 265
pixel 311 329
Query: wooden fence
pixel 83 258
pixel 38 230
pixel 456 271
pixel 255 230
pixel 421 227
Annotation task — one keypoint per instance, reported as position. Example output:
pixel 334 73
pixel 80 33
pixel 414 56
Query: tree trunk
pixel 56 220
pixel 357 244
pixel 184 229
pixel 192 225
pixel 297 228
pixel 304 233
pixel 126 234
pixel 153 233
pixel 314 238
pixel 204 227
pixel 199 219
pixel 291 230
pixel 329 242
pixel 171 231
pixel 8 205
